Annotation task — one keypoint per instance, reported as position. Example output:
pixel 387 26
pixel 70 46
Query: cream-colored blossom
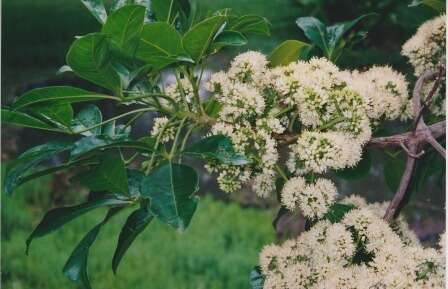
pixel 163 130
pixel 361 252
pixel 385 93
pixel 317 152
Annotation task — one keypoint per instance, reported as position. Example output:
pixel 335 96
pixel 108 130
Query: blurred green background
pixel 36 36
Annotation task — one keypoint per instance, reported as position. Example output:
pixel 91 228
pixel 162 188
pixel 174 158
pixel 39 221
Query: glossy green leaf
pixel 174 12
pixel 56 218
pixel 199 38
pixel 135 179
pixel 91 143
pixel 217 147
pixel 170 189
pixel 97 9
pixel 23 119
pixel 315 31
pixel 437 5
pixel 76 266
pixel 89 57
pixel 246 24
pixel 61 114
pixel 327 38
pixel 124 26
pixel 19 168
pixel 57 94
pixel 289 51
pixel 336 31
pixel 110 175
pixel 228 38
pixel 361 170
pixel 135 224
pixel 89 116
pixel 160 45
pixel 256 278
pixel 337 211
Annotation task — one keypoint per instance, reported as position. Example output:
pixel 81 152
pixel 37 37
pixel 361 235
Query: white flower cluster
pixel 425 50
pixel 385 92
pixel 361 251
pixel 161 129
pixel 330 110
pixel 319 151
pixel 181 91
pixel 247 116
pixel 313 199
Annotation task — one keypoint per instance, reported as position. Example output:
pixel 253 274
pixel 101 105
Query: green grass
pixel 217 251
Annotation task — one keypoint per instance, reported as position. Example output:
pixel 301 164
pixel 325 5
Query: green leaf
pixel 19 168
pixel 256 278
pixel 89 57
pixel 315 31
pixel 135 179
pixel 91 143
pixel 249 24
pixel 124 26
pixel 110 175
pixel 170 189
pixel 218 147
pixel 337 211
pixel 23 119
pixel 89 116
pixel 289 51
pixel 160 45
pixel 393 171
pixel 228 38
pixel 336 31
pixel 57 94
pixel 76 266
pixel 56 218
pixel 117 4
pixel 361 170
pixel 199 38
pixel 97 9
pixel 135 224
pixel 165 10
pixel 437 5
pixel 327 38
pixel 61 114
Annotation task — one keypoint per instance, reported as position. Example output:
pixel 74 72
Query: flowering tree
pixel 280 123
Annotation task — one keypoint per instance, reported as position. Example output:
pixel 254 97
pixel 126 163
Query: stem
pixel 186 137
pixel 156 145
pixel 182 91
pixel 392 210
pixel 176 138
pixel 281 172
pixel 333 122
pixel 283 111
pixel 115 118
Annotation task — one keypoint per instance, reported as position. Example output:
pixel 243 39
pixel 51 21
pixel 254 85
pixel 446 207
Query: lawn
pixel 217 251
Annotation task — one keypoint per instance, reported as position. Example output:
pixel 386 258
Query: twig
pixel 392 209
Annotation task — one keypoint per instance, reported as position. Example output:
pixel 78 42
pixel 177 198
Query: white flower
pixel 361 252
pixel 316 198
pixel 162 129
pixel 291 191
pixel 384 91
pixel 317 152
pixel 427 46
pixel 181 91
pixel 248 67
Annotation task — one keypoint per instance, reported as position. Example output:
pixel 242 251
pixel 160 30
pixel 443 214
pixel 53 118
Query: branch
pixel 412 142
pixel 392 209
